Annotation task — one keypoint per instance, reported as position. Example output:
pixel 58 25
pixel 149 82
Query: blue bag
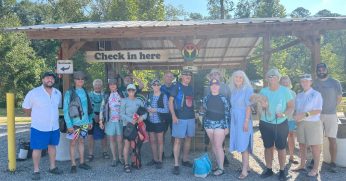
pixel 202 166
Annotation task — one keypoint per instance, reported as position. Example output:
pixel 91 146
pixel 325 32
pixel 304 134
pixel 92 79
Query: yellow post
pixel 11 134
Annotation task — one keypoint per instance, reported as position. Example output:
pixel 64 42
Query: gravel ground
pixel 101 169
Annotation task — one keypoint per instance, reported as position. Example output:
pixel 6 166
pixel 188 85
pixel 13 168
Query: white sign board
pixel 193 69
pixel 64 67
pixel 127 56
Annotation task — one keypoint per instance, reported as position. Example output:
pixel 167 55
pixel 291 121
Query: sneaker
pixel 74 169
pixel 36 176
pixel 187 164
pixel 114 163
pixel 158 165
pixel 282 175
pixel 176 170
pixel 84 166
pixel 267 173
pixel 55 171
pixel 151 163
pixel 332 168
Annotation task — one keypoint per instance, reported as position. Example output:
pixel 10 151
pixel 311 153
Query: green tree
pixel 300 12
pixel 174 13
pixel 269 8
pixel 245 9
pixel 20 68
pixel 220 9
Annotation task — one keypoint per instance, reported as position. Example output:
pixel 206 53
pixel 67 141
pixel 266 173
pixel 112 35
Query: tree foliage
pixel 220 9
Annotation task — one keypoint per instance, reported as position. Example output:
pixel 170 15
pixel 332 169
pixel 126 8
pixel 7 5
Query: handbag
pixel 62 125
pixel 202 166
pixel 130 131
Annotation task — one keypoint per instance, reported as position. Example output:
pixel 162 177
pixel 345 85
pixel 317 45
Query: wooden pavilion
pixel 220 43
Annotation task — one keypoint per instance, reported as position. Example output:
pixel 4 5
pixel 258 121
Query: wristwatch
pixel 307 114
pixel 283 115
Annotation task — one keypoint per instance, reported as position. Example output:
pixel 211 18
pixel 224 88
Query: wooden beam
pixel 312 40
pixel 266 56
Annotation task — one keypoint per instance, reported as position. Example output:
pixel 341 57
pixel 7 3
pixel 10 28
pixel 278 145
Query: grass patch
pixel 17 111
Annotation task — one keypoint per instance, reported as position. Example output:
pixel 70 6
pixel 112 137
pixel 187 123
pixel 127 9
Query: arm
pixel 66 111
pixel 140 83
pixel 171 109
pixel 27 104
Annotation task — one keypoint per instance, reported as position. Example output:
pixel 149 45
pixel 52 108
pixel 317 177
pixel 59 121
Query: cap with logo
pixel 214 81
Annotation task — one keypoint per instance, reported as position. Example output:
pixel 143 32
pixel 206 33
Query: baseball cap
pixel 321 65
pixel 306 77
pixel 186 72
pixel 131 86
pixel 78 75
pixel 273 72
pixel 214 81
pixel 155 81
pixel 46 74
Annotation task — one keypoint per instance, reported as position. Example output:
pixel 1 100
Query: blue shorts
pixel 98 133
pixel 211 124
pixel 114 128
pixel 39 140
pixel 292 125
pixel 184 128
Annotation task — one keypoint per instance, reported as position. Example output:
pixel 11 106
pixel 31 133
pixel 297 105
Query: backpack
pixel 160 104
pixel 75 107
pixel 179 98
pixel 130 131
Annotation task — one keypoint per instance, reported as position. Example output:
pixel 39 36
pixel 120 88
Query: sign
pixel 127 56
pixel 190 52
pixel 64 67
pixel 193 69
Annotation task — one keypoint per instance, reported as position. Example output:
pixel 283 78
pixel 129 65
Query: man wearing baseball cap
pixel 42 104
pixel 331 92
pixel 183 128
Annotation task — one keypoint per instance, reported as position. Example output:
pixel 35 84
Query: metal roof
pixel 226 42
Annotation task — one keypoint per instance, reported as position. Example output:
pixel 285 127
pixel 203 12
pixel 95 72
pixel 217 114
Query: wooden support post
pixel 313 42
pixel 266 56
pixel 68 48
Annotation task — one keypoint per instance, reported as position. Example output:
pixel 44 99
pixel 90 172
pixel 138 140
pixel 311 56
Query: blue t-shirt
pixel 277 100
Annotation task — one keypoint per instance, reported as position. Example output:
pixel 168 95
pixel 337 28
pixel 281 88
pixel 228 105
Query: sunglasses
pixel 271 76
pixel 78 79
pixel 305 77
pixel 131 90
pixel 155 84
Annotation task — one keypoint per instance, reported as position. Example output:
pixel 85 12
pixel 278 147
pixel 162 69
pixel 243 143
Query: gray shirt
pixel 330 89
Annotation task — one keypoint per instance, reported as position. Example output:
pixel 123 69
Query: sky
pixel 335 6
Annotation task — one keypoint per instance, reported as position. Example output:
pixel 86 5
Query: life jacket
pixel 75 106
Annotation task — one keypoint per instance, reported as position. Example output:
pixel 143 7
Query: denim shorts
pixel 292 125
pixel 211 124
pixel 39 140
pixel 114 128
pixel 184 128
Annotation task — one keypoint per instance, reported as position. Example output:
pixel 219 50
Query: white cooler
pixel 341 147
pixel 63 149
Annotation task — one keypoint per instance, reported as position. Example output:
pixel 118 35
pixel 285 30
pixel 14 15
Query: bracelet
pixel 283 115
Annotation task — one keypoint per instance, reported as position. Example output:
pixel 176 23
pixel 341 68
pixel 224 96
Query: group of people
pixel 98 115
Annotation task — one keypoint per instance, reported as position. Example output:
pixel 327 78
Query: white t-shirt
pixel 44 108
pixel 308 101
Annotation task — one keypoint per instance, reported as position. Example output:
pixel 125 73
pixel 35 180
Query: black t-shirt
pixel 187 111
pixel 215 108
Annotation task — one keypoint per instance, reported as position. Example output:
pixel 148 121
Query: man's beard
pixel 47 85
pixel 322 75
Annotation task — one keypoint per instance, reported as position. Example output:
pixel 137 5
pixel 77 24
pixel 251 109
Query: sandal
pixel 127 168
pixel 105 155
pixel 90 158
pixel 218 172
pixel 313 173
pixel 242 177
pixel 292 161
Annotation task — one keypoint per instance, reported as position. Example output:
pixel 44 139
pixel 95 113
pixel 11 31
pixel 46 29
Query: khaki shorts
pixel 330 124
pixel 310 132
